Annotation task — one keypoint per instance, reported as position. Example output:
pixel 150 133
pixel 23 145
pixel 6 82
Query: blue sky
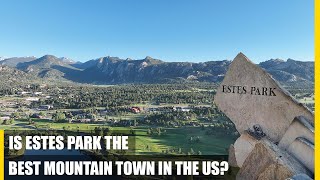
pixel 172 30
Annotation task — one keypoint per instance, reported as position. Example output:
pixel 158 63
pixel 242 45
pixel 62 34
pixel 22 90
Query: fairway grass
pixel 176 138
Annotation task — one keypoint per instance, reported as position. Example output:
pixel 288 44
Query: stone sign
pixel 249 96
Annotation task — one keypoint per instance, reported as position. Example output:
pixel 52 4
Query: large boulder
pixel 266 116
pixel 249 96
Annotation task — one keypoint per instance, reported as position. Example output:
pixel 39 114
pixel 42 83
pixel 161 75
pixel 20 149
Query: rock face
pixel 300 177
pixel 303 150
pixel 248 96
pixel 267 161
pixel 232 157
pixel 277 132
pixel 299 127
pixel 242 148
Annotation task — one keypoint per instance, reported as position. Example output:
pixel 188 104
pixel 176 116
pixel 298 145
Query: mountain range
pixel 113 70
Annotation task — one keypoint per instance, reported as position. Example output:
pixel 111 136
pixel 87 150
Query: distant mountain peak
pixel 46 61
pixel 291 60
pixel 148 58
pixel 276 60
pixel 67 60
pixel 151 60
pixel 48 56
pixel 112 59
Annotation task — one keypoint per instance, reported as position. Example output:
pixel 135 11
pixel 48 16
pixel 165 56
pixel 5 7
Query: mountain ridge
pixel 47 66
pixel 114 70
pixel 13 61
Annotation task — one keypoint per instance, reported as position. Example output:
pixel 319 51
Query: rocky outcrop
pixel 242 147
pixel 248 95
pixel 267 161
pixel 277 132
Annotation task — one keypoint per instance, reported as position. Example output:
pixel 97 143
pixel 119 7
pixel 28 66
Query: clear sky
pixel 171 30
